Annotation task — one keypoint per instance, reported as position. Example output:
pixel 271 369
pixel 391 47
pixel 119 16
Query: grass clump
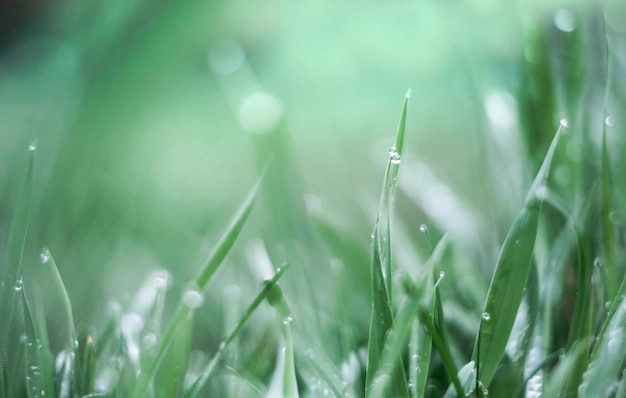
pixel 538 310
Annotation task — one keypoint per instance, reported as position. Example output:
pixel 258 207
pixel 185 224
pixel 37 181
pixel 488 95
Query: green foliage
pixel 523 294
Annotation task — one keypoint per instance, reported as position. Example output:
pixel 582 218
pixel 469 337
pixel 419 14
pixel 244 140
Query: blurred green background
pixel 150 129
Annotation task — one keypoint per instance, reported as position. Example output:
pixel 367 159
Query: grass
pixel 421 312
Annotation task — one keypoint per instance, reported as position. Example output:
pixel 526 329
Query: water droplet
pixel 221 346
pixel 609 120
pixel 424 228
pixel 160 279
pixel 288 319
pixel 150 340
pixel 485 392
pixel 32 146
pixel 564 123
pixel 19 284
pixel 44 255
pixel 260 113
pixel 394 156
pixel 408 93
pixel 597 262
pixel 565 21
pixel 486 316
pixel 442 274
pixel 193 299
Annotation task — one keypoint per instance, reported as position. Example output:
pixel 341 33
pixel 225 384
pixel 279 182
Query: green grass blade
pixel 509 280
pixel 382 315
pixel 284 383
pixel 609 352
pixel 398 335
pixel 66 379
pixel 86 365
pixel 566 377
pixel 608 233
pixel 12 265
pixel 169 380
pixel 39 370
pixel 216 257
pixel 226 241
pixel 467 378
pixel 202 380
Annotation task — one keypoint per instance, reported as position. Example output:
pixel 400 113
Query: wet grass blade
pixel 203 379
pixel 509 280
pixel 216 257
pixel 39 370
pixel 12 265
pixel 284 383
pixel 399 334
pixel 382 314
pixel 86 365
pixel 66 383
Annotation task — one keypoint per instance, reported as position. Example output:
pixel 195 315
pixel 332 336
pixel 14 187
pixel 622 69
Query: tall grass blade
pixel 86 369
pixel 509 280
pixel 216 257
pixel 608 233
pixel 11 268
pixel 382 315
pixel 566 377
pixel 203 379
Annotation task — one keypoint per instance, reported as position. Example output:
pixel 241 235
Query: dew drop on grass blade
pixel 509 280
pixel 12 265
pixel 188 302
pixel 382 313
pixel 67 356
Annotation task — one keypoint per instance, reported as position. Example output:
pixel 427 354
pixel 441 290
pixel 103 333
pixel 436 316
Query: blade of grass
pixel 202 380
pixel 39 370
pixel 609 351
pixel 467 378
pixel 216 257
pixel 567 375
pixel 169 380
pixel 12 265
pixel 86 369
pixel 66 386
pixel 398 335
pixel 382 315
pixel 509 280
pixel 284 383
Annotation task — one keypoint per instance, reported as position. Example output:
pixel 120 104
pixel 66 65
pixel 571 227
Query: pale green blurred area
pixel 142 157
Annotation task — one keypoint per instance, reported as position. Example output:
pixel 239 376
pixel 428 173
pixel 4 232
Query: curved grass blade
pixel 202 380
pixel 382 315
pixel 39 370
pixel 13 262
pixel 216 257
pixel 509 280
pixel 284 383
pixel 66 385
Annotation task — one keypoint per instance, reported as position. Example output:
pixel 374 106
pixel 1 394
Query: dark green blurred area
pixel 143 154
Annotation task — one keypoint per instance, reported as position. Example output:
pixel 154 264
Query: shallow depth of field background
pixel 153 119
